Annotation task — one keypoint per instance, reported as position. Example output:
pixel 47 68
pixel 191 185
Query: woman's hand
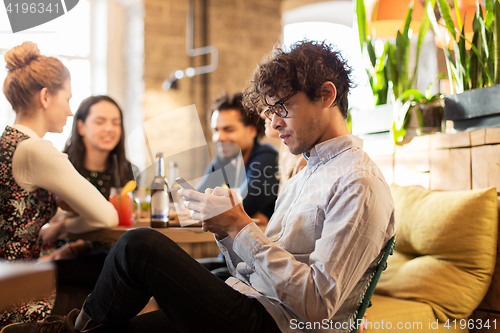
pixel 60 253
pixel 67 251
pixel 50 232
pixel 219 211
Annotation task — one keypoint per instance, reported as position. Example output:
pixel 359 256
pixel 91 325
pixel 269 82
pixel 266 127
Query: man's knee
pixel 141 239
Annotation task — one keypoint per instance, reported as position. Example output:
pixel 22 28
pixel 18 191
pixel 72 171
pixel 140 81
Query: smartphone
pixel 184 184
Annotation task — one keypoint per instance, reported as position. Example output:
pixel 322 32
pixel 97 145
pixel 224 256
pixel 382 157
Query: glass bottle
pixel 160 203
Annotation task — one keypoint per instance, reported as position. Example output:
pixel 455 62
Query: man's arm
pixel 354 232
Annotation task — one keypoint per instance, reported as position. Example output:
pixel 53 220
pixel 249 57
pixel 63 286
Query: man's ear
pixel 329 93
pixel 43 97
pixel 253 131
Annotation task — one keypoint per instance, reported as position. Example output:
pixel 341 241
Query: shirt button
pixel 323 159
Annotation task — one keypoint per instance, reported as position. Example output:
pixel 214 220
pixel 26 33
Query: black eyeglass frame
pixel 269 111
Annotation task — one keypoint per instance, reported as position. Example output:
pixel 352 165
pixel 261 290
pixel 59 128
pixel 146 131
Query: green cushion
pixel 445 248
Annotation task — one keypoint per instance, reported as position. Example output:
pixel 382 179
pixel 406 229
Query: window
pixel 67 38
pixel 347 42
pixel 332 21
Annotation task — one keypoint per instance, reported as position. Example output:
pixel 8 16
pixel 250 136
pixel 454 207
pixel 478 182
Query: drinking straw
pixel 117 171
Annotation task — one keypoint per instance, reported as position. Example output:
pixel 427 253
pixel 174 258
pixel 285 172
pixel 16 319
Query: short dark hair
pixel 306 66
pixel 234 102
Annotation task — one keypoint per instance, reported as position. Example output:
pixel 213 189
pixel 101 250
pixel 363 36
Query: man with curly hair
pixel 309 270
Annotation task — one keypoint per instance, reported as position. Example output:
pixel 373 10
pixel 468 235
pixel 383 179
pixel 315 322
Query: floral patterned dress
pixel 22 214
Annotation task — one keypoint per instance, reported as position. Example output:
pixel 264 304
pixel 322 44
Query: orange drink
pixel 123 205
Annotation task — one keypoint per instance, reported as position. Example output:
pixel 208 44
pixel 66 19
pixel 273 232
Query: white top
pixel 38 164
pixel 314 263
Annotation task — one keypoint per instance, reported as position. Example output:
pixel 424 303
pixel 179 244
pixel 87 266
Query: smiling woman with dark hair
pixel 96 137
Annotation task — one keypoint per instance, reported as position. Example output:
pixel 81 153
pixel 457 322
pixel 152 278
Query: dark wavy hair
pixel 305 67
pixel 75 147
pixel 235 102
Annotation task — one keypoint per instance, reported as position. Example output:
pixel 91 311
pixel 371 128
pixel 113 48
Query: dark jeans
pixel 146 263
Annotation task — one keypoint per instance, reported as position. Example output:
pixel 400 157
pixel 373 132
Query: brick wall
pixel 244 31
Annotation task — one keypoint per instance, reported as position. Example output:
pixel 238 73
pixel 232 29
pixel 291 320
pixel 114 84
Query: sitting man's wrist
pixel 238 226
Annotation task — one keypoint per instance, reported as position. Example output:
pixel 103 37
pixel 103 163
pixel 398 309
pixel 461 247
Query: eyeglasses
pixel 278 108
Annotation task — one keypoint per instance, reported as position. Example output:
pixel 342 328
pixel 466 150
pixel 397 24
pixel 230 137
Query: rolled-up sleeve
pixel 354 231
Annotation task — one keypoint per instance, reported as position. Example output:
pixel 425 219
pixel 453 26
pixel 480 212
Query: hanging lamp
pixel 388 16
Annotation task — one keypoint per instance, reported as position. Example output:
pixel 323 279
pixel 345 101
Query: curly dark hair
pixel 234 102
pixel 305 67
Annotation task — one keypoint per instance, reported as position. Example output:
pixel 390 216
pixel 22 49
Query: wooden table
pixel 21 282
pixel 195 241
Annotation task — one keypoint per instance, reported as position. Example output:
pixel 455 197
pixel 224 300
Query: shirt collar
pixel 329 149
pixel 26 130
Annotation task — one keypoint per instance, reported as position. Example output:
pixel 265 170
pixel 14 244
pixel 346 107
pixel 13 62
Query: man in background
pixel 234 129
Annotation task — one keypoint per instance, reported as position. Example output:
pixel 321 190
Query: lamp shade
pixel 388 16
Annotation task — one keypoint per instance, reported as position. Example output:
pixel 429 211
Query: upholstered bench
pixel 444 259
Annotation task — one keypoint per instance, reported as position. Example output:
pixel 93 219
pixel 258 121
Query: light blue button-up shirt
pixel 314 263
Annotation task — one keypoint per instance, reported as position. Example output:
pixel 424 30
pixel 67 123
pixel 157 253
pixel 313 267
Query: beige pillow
pixel 445 248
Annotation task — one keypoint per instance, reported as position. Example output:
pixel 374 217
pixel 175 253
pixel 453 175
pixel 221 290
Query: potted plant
pixel 419 114
pixel 474 74
pixel 389 73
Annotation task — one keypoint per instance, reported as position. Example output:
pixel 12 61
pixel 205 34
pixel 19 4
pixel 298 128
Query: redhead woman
pixel 34 171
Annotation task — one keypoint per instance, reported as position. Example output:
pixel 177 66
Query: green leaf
pixel 448 58
pixel 489 12
pixel 457 12
pixel 474 71
pixel 398 134
pixel 371 51
pixel 362 22
pixel 496 42
pixel 476 51
pixel 478 19
pixel 428 90
pixel 462 58
pixel 424 27
pixel 445 10
pixel 408 20
pixel 401 117
pixel 412 95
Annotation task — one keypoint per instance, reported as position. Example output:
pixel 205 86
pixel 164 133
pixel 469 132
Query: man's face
pixel 228 127
pixel 305 124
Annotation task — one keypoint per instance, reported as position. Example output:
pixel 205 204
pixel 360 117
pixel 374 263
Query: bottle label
pixel 160 206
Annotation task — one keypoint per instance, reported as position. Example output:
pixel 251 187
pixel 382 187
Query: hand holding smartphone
pixel 184 184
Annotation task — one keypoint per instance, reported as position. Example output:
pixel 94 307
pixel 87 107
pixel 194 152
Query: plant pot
pixel 474 109
pixel 432 117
